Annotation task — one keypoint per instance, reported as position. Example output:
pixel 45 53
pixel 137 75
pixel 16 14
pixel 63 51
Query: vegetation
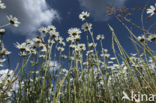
pixel 91 75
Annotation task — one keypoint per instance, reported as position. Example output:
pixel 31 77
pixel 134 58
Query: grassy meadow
pixel 91 74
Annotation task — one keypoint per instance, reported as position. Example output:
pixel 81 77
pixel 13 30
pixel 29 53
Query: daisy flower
pixel 51 41
pixel 141 38
pixel 77 38
pixel 86 26
pixel 2 5
pixel 62 43
pixel 33 51
pixel 64 56
pixel 151 10
pixel 2 31
pixel 105 55
pixel 152 38
pixel 4 51
pixel 72 46
pixel 53 34
pixel 74 31
pixel 92 45
pixel 43 30
pixel 84 15
pixel 89 52
pixel 37 40
pixel 44 49
pixel 59 39
pixel 81 47
pixel 100 37
pixel 41 45
pixel 110 62
pixel 51 28
pixel 60 49
pixel 104 50
pixel 42 56
pixel 112 58
pixel 13 20
pixel 70 39
pixel 21 46
pixel 23 54
pixel 30 42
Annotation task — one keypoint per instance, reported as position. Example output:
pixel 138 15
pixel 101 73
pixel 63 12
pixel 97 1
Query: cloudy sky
pixel 64 14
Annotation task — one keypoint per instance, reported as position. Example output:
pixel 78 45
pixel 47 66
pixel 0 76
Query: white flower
pixel 71 58
pixel 37 40
pixel 110 62
pixel 60 49
pixel 141 38
pixel 23 54
pixel 152 38
pixel 2 60
pixel 105 55
pixel 70 39
pixel 84 15
pixel 81 47
pixel 44 49
pixel 133 54
pixel 86 26
pixel 64 70
pixel 100 37
pixel 13 20
pixel 51 41
pixel 104 50
pixel 64 56
pixel 53 34
pixel 2 31
pixel 72 46
pixel 2 5
pixel 4 51
pixel 41 45
pixel 30 42
pixel 74 31
pixel 23 46
pixel 101 82
pixel 33 51
pixel 62 43
pixel 51 28
pixel 42 56
pixel 43 30
pixel 89 52
pixel 5 73
pixel 113 58
pixel 92 45
pixel 151 10
pixel 77 38
pixel 59 39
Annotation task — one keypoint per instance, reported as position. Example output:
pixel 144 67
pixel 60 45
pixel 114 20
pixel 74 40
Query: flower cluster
pixel 44 73
pixel 150 38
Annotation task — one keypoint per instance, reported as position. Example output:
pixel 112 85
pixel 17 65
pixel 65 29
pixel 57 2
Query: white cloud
pixel 98 8
pixel 31 13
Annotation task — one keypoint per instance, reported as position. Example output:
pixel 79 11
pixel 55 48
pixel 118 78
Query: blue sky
pixel 64 15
